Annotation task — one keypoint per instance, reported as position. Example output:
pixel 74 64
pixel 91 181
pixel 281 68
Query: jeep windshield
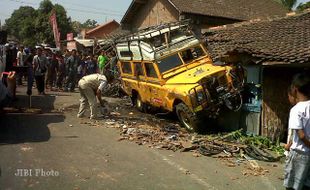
pixel 175 61
pixel 192 54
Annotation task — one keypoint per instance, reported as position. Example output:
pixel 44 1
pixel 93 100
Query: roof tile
pixel 235 9
pixel 285 39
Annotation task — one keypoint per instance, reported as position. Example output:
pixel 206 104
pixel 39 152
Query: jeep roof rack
pixel 153 31
pixel 153 42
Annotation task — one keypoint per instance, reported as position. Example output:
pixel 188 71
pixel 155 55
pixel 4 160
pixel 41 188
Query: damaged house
pixel 203 13
pixel 272 51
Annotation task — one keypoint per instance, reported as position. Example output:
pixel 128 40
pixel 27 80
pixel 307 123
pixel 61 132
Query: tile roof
pixel 285 40
pixel 231 9
pixel 234 9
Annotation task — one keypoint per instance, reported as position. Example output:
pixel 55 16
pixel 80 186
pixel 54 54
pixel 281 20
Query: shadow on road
pixel 46 103
pixel 20 126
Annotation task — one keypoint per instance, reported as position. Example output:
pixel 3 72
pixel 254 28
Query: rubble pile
pixel 161 138
pixel 114 89
pixel 162 133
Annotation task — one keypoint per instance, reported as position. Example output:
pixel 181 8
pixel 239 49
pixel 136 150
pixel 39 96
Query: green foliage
pixel 89 24
pixel 289 4
pixel 304 6
pixel 21 23
pixel 32 26
pixel 46 6
pixel 64 22
pixel 258 141
pixel 76 26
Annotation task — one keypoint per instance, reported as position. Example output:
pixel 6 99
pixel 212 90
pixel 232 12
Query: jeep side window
pixel 169 63
pixel 150 70
pixel 138 69
pixel 126 67
pixel 126 54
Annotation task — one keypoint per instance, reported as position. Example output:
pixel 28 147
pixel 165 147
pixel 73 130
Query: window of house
pixel 126 67
pixel 150 70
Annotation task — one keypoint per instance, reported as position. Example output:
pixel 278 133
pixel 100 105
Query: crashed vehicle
pixel 168 67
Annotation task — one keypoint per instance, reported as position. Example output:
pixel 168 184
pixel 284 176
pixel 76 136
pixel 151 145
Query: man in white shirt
pixel 20 62
pixel 20 56
pixel 90 88
pixel 297 174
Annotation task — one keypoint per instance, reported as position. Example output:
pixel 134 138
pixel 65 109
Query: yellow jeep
pixel 169 68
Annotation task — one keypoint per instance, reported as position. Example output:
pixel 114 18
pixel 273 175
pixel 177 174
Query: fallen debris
pixel 232 149
pixel 162 134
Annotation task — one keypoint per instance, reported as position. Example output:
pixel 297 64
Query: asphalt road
pixel 62 153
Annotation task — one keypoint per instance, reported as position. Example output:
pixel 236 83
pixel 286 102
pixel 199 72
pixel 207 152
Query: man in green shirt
pixel 102 60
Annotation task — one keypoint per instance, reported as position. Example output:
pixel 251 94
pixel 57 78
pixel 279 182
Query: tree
pixel 303 6
pixel 21 25
pixel 43 24
pixel 89 24
pixel 32 26
pixel 46 6
pixel 77 27
pixel 63 21
pixel 44 33
pixel 289 4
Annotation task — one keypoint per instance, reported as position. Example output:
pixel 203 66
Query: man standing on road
pixel 102 60
pixel 72 65
pixel 52 71
pixel 39 67
pixel 91 87
pixel 61 72
pixel 20 62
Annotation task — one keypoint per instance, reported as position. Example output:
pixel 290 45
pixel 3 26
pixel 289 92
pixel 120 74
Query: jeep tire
pixel 188 119
pixel 141 106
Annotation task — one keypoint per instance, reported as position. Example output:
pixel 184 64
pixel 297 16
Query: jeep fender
pixel 177 100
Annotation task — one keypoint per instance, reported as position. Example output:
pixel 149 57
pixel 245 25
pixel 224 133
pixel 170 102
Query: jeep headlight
pixel 200 96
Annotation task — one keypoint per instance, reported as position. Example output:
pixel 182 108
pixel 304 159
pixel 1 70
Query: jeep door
pixel 127 76
pixel 140 84
pixel 154 87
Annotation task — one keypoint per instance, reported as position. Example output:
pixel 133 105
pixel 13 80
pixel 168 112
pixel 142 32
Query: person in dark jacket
pixel 71 70
pixel 40 67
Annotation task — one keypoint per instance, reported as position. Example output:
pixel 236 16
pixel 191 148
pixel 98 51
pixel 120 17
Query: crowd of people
pixel 56 70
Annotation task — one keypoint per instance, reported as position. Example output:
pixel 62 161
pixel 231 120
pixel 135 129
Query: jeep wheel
pixel 187 118
pixel 139 104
